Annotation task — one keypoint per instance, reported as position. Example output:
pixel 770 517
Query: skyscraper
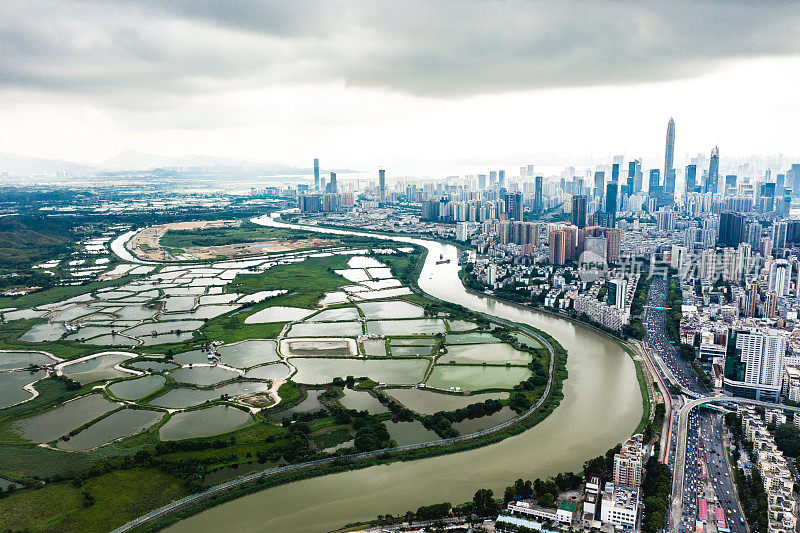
pixel 537 197
pixel 482 181
pixel 669 188
pixel 691 178
pixel 501 178
pixel 615 172
pixel 612 197
pixel 514 206
pixel 795 181
pixel 654 187
pixel 754 364
pixel 731 229
pixel 669 151
pixel 333 186
pixel 713 171
pixel 579 206
pixel 492 179
pixel 599 183
pixel 382 184
pixel 316 174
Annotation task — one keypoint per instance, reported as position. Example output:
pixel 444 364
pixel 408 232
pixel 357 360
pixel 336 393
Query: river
pixel 602 406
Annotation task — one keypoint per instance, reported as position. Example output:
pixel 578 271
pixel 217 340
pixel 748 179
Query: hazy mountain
pixel 134 160
pixel 21 164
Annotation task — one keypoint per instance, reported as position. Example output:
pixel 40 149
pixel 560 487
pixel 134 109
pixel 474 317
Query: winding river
pixel 601 406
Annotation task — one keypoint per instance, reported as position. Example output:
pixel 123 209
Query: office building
pixel 501 178
pixel 712 184
pixel 691 178
pixel 731 229
pixel 599 183
pixel 382 184
pixel 537 198
pixel 579 204
pixel 615 172
pixel 669 151
pixel 333 186
pixel 316 174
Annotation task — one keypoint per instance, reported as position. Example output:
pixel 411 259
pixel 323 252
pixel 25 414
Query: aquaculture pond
pixel 319 347
pixel 490 353
pixel 133 389
pixel 376 347
pixel 473 377
pixel 207 422
pixel 152 366
pixel 471 425
pixel 44 332
pixel 410 432
pixel 12 383
pixel 166 338
pixel 203 376
pixel 470 338
pixel 278 314
pixel 362 400
pixel 181 397
pixel 192 357
pixel 322 329
pixel 336 315
pixel 97 367
pixel 461 325
pixel 395 371
pixel 10 360
pixel 390 309
pixel 310 404
pixel 421 326
pixel 427 402
pixel 53 424
pixel 270 372
pixel 401 351
pixel 526 340
pixel 248 353
pixel 116 425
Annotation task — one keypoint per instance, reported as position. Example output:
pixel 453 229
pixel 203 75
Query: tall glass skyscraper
pixel 713 171
pixel 316 174
pixel 669 152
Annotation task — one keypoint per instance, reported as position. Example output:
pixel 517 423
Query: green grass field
pixel 62 507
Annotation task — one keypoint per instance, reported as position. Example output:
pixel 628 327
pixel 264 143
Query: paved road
pixel 688 435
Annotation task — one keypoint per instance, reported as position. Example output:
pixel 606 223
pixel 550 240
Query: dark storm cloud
pixel 145 52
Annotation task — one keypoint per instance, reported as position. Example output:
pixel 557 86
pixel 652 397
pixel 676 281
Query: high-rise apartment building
pixel 754 364
pixel 628 464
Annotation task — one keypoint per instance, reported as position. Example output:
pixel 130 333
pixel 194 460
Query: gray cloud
pixel 134 54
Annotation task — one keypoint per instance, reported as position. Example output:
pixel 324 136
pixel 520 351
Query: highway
pixel 697 436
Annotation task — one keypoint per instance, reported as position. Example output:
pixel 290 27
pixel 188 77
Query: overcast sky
pixel 365 83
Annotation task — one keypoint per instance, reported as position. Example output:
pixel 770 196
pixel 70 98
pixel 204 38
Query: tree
pixel 787 439
pixel 484 504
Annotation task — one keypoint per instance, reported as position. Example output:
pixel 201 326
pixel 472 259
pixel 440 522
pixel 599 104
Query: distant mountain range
pixel 19 165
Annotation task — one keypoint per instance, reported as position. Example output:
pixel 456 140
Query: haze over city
pixel 362 84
